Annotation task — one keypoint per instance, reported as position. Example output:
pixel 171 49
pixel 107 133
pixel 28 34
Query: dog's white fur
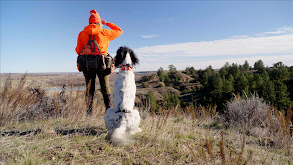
pixel 120 124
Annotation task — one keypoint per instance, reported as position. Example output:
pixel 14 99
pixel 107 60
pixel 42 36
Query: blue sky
pixel 40 36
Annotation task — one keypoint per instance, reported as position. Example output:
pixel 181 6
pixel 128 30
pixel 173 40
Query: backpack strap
pixel 97 45
pixel 92 42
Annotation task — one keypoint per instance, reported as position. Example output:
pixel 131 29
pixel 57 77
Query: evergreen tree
pixel 192 71
pixel 228 89
pixel 246 66
pixel 258 83
pixel 172 68
pixel 282 99
pixel 265 76
pixel 234 70
pixel 217 88
pixel 210 71
pixel 274 84
pixel 205 79
pixel 268 92
pixel 200 75
pixel 289 84
pixel 223 71
pixel 170 100
pixel 160 71
pixel 290 70
pixel 161 74
pixel 279 72
pixel 167 81
pixel 250 78
pixel 187 70
pixel 231 78
pixel 258 65
pixel 241 84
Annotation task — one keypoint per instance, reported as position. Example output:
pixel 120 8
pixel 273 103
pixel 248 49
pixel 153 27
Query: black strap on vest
pixel 92 42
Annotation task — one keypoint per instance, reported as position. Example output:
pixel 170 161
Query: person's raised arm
pixel 114 32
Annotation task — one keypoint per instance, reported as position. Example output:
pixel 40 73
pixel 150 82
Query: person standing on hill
pixel 102 37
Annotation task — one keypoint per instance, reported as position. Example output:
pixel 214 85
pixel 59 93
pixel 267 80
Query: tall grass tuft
pixel 222 149
pixel 210 150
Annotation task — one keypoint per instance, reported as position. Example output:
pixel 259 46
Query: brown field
pixel 53 82
pixel 58 80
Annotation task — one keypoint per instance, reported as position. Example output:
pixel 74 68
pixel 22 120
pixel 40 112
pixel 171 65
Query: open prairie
pixel 58 80
pixel 54 82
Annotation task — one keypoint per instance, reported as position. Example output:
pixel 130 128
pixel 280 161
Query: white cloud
pixel 276 32
pixel 240 36
pixel 281 30
pixel 232 47
pixel 271 47
pixel 150 36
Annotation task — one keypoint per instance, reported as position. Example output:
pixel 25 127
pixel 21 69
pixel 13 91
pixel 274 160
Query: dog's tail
pixel 119 137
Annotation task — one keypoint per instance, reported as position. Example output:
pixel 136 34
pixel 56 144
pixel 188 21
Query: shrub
pixel 170 100
pixel 177 87
pixel 253 116
pixel 152 76
pixel 160 71
pixel 247 113
pixel 145 84
pixel 185 91
pixel 145 78
pixel 161 84
pixel 162 78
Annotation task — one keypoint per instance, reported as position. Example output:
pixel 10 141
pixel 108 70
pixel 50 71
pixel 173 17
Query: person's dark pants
pixel 90 78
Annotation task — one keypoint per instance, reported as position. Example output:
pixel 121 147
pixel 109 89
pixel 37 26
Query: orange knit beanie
pixel 94 18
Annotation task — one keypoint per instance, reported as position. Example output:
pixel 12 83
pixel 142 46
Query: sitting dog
pixel 123 120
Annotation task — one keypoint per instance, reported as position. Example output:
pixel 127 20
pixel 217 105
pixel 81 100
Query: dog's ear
pixel 133 57
pixel 119 56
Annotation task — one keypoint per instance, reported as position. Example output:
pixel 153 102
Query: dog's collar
pixel 125 67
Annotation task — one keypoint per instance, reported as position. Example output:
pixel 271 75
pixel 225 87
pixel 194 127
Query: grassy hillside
pixel 177 140
pixel 39 127
pixel 184 88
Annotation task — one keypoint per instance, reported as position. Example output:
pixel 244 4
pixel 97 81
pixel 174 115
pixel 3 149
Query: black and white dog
pixel 123 120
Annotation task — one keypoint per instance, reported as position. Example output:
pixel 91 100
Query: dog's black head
pixel 121 54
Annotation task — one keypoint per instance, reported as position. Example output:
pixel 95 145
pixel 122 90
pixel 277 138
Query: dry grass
pixel 63 141
pixel 22 102
pixel 42 128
